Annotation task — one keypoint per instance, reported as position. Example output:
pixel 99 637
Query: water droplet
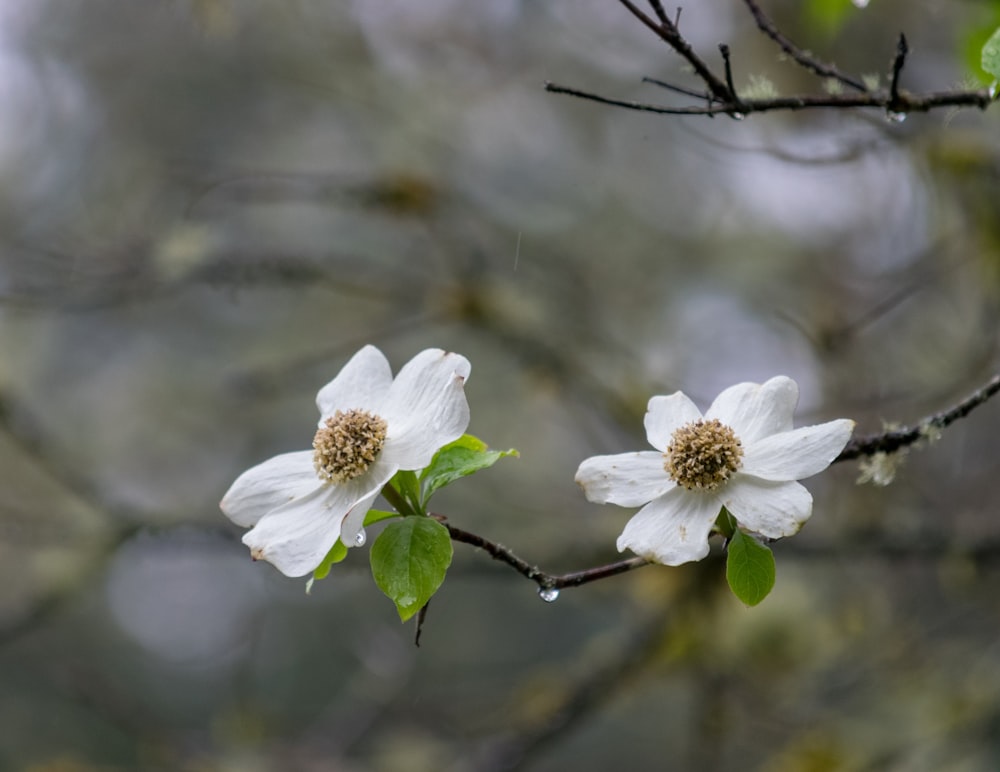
pixel 360 539
pixel 893 117
pixel 737 116
pixel 548 594
pixel 993 90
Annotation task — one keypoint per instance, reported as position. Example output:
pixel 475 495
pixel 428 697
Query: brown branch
pixel 891 441
pixel 902 49
pixel 903 103
pixel 721 97
pixel 797 54
pixel 545 581
pixel 668 32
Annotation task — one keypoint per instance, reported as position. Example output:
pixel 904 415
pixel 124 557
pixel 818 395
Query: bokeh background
pixel 206 206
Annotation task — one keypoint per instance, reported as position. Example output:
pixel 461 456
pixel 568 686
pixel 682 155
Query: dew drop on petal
pixel 894 117
pixel 548 594
pixel 360 539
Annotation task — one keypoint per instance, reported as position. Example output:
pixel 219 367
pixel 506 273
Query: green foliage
pixel 409 561
pixel 991 54
pixel 376 515
pixel 466 455
pixel 337 553
pixel 749 568
pixel 403 492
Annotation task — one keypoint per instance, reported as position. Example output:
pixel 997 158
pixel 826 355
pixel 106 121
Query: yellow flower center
pixel 347 444
pixel 703 454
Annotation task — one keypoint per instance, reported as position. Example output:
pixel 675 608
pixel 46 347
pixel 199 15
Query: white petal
pixel 772 509
pixel 354 523
pixel 627 479
pixel 664 415
pixel 362 383
pixel 269 485
pixel 673 529
pixel 754 411
pixel 426 407
pixel 296 537
pixel 799 453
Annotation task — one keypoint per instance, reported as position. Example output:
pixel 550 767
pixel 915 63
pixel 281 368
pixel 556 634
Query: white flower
pixel 743 454
pixel 370 427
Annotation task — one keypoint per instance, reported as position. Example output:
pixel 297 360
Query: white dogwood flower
pixel 370 427
pixel 742 454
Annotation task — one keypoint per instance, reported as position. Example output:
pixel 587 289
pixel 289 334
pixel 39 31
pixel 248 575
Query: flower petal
pixel 627 479
pixel 772 509
pixel 354 524
pixel 664 415
pixel 754 411
pixel 362 383
pixel 297 536
pixel 673 529
pixel 425 407
pixel 796 454
pixel 268 486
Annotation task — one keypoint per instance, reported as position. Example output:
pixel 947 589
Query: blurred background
pixel 206 206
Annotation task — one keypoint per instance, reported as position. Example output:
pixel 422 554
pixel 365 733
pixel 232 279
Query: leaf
pixel 991 54
pixel 337 553
pixel 406 487
pixel 375 515
pixel 466 455
pixel 749 568
pixel 409 561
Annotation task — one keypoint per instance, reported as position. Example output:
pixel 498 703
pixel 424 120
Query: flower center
pixel 703 454
pixel 347 444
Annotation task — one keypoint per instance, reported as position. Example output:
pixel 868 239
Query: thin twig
pixel 661 14
pixel 727 63
pixel 902 49
pixel 905 103
pixel 544 580
pixel 669 34
pixel 679 89
pixel 891 441
pixel 799 55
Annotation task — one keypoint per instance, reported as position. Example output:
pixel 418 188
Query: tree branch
pixel 891 441
pixel 799 55
pixel 721 97
pixel 903 103
pixel 545 581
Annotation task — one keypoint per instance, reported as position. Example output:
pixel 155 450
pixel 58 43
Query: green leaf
pixel 409 560
pixel 406 487
pixel 749 568
pixel 337 553
pixel 460 458
pixel 375 515
pixel 991 55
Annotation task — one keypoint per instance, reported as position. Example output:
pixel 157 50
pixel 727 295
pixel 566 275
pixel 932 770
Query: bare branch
pixel 891 441
pixel 799 55
pixel 545 581
pixel 905 102
pixel 721 97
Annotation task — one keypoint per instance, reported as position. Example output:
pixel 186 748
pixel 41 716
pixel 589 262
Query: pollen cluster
pixel 347 444
pixel 703 454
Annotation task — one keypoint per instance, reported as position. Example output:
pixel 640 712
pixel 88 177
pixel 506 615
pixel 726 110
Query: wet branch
pixel 721 98
pixel 544 580
pixel 891 441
